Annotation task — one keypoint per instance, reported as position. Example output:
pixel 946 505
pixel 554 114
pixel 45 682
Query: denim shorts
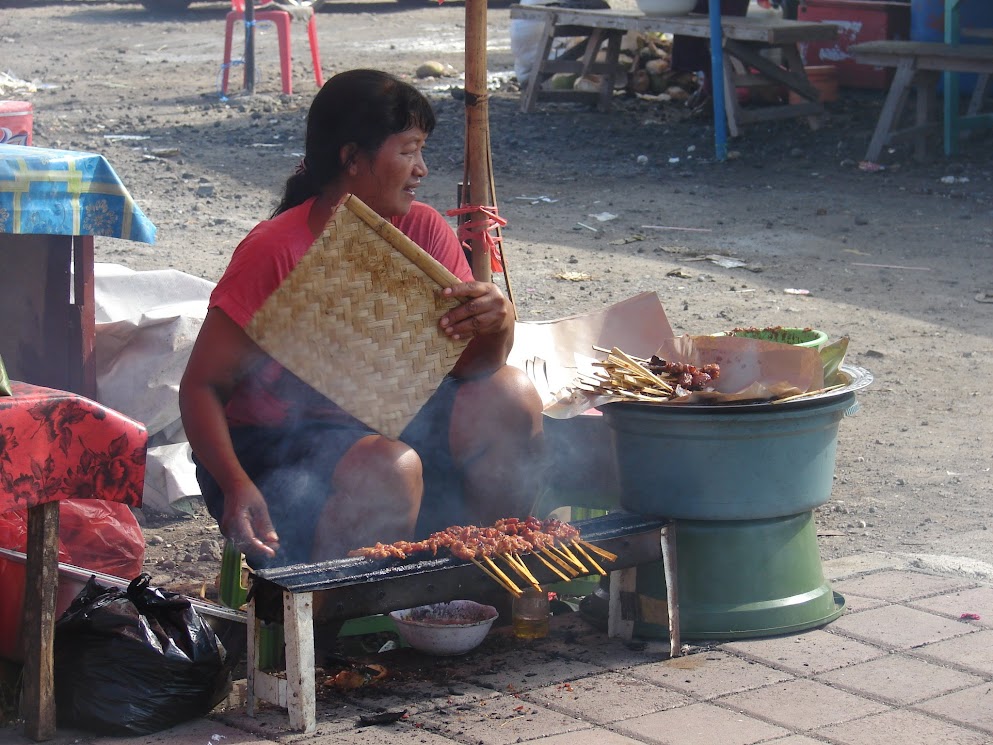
pixel 292 466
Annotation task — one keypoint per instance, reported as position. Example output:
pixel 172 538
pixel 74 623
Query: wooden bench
pixel 748 42
pixel 332 591
pixel 919 66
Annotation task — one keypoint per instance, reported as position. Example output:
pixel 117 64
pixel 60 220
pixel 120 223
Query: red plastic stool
pixel 282 20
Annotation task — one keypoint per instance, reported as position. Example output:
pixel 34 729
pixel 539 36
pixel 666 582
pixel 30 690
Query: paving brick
pixel 973 706
pixel 521 672
pixel 590 737
pixel 416 695
pixel 794 740
pixel 904 727
pixel 899 679
pixel 710 674
pixel 978 600
pixel 606 698
pixel 578 640
pixel 699 724
pixel 499 721
pixel 899 627
pixel 802 704
pixel 333 716
pixel 401 733
pixel 898 586
pixel 974 652
pixel 806 654
pixel 195 732
pixel 855 603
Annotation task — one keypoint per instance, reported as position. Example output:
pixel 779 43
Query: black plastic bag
pixel 135 661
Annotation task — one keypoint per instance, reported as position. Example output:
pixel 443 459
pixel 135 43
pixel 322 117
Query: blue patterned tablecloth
pixel 61 192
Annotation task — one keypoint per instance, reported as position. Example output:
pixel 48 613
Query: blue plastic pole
pixel 717 81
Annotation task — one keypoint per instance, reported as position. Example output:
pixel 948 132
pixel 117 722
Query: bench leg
pixel 978 95
pixel 896 99
pixel 295 688
pixel 530 97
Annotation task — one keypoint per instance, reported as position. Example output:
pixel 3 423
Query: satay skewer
pixel 558 560
pixel 597 550
pixel 570 557
pixel 520 572
pixel 510 583
pixel 551 566
pixel 519 560
pixel 600 569
pixel 512 589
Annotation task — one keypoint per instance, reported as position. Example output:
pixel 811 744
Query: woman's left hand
pixel 483 310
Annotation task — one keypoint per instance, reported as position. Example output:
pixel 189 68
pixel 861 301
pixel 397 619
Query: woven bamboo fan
pixel 357 319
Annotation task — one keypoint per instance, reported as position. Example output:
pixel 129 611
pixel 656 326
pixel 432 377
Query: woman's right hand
pixel 246 523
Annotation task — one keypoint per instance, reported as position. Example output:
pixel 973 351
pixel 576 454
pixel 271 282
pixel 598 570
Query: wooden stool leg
pixel 298 628
pixel 620 624
pixel 625 605
pixel 671 587
pixel 896 99
pixel 295 691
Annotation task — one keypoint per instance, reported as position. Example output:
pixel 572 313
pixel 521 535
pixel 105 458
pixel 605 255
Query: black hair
pixel 360 107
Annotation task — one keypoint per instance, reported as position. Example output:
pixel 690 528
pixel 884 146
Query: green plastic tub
pixel 744 579
pixel 726 462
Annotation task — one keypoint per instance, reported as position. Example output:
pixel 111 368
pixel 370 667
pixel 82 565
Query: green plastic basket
pixel 798 337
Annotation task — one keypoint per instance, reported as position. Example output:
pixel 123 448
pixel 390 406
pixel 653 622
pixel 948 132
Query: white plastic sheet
pixel 146 323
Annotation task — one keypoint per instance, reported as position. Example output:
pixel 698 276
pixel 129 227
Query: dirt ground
pixel 899 260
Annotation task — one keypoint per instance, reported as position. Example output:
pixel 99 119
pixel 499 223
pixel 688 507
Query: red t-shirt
pixel 271 395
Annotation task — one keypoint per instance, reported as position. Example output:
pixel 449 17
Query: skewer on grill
pixel 600 569
pixel 509 586
pixel 560 561
pixel 597 550
pixel 551 566
pixel 506 580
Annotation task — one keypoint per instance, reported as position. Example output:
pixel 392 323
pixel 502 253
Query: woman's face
pixel 387 180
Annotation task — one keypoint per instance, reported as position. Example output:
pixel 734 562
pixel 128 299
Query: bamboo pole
pixel 477 131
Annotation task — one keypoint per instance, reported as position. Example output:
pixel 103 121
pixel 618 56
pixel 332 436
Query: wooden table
pixel 919 67
pixel 747 41
pixel 52 204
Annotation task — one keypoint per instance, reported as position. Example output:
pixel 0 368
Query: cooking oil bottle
pixel 530 614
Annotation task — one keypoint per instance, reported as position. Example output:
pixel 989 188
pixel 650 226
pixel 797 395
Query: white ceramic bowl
pixel 445 628
pixel 666 7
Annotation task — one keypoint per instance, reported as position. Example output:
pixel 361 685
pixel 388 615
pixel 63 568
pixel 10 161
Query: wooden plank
pixel 768 30
pixel 37 628
pixel 926 55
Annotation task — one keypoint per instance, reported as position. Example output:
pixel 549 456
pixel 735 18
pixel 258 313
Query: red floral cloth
pixel 57 445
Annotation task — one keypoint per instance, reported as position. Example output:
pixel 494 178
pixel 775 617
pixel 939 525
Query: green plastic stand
pixel 744 578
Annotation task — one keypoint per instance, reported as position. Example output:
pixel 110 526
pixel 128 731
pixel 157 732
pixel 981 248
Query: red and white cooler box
pixel 15 122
